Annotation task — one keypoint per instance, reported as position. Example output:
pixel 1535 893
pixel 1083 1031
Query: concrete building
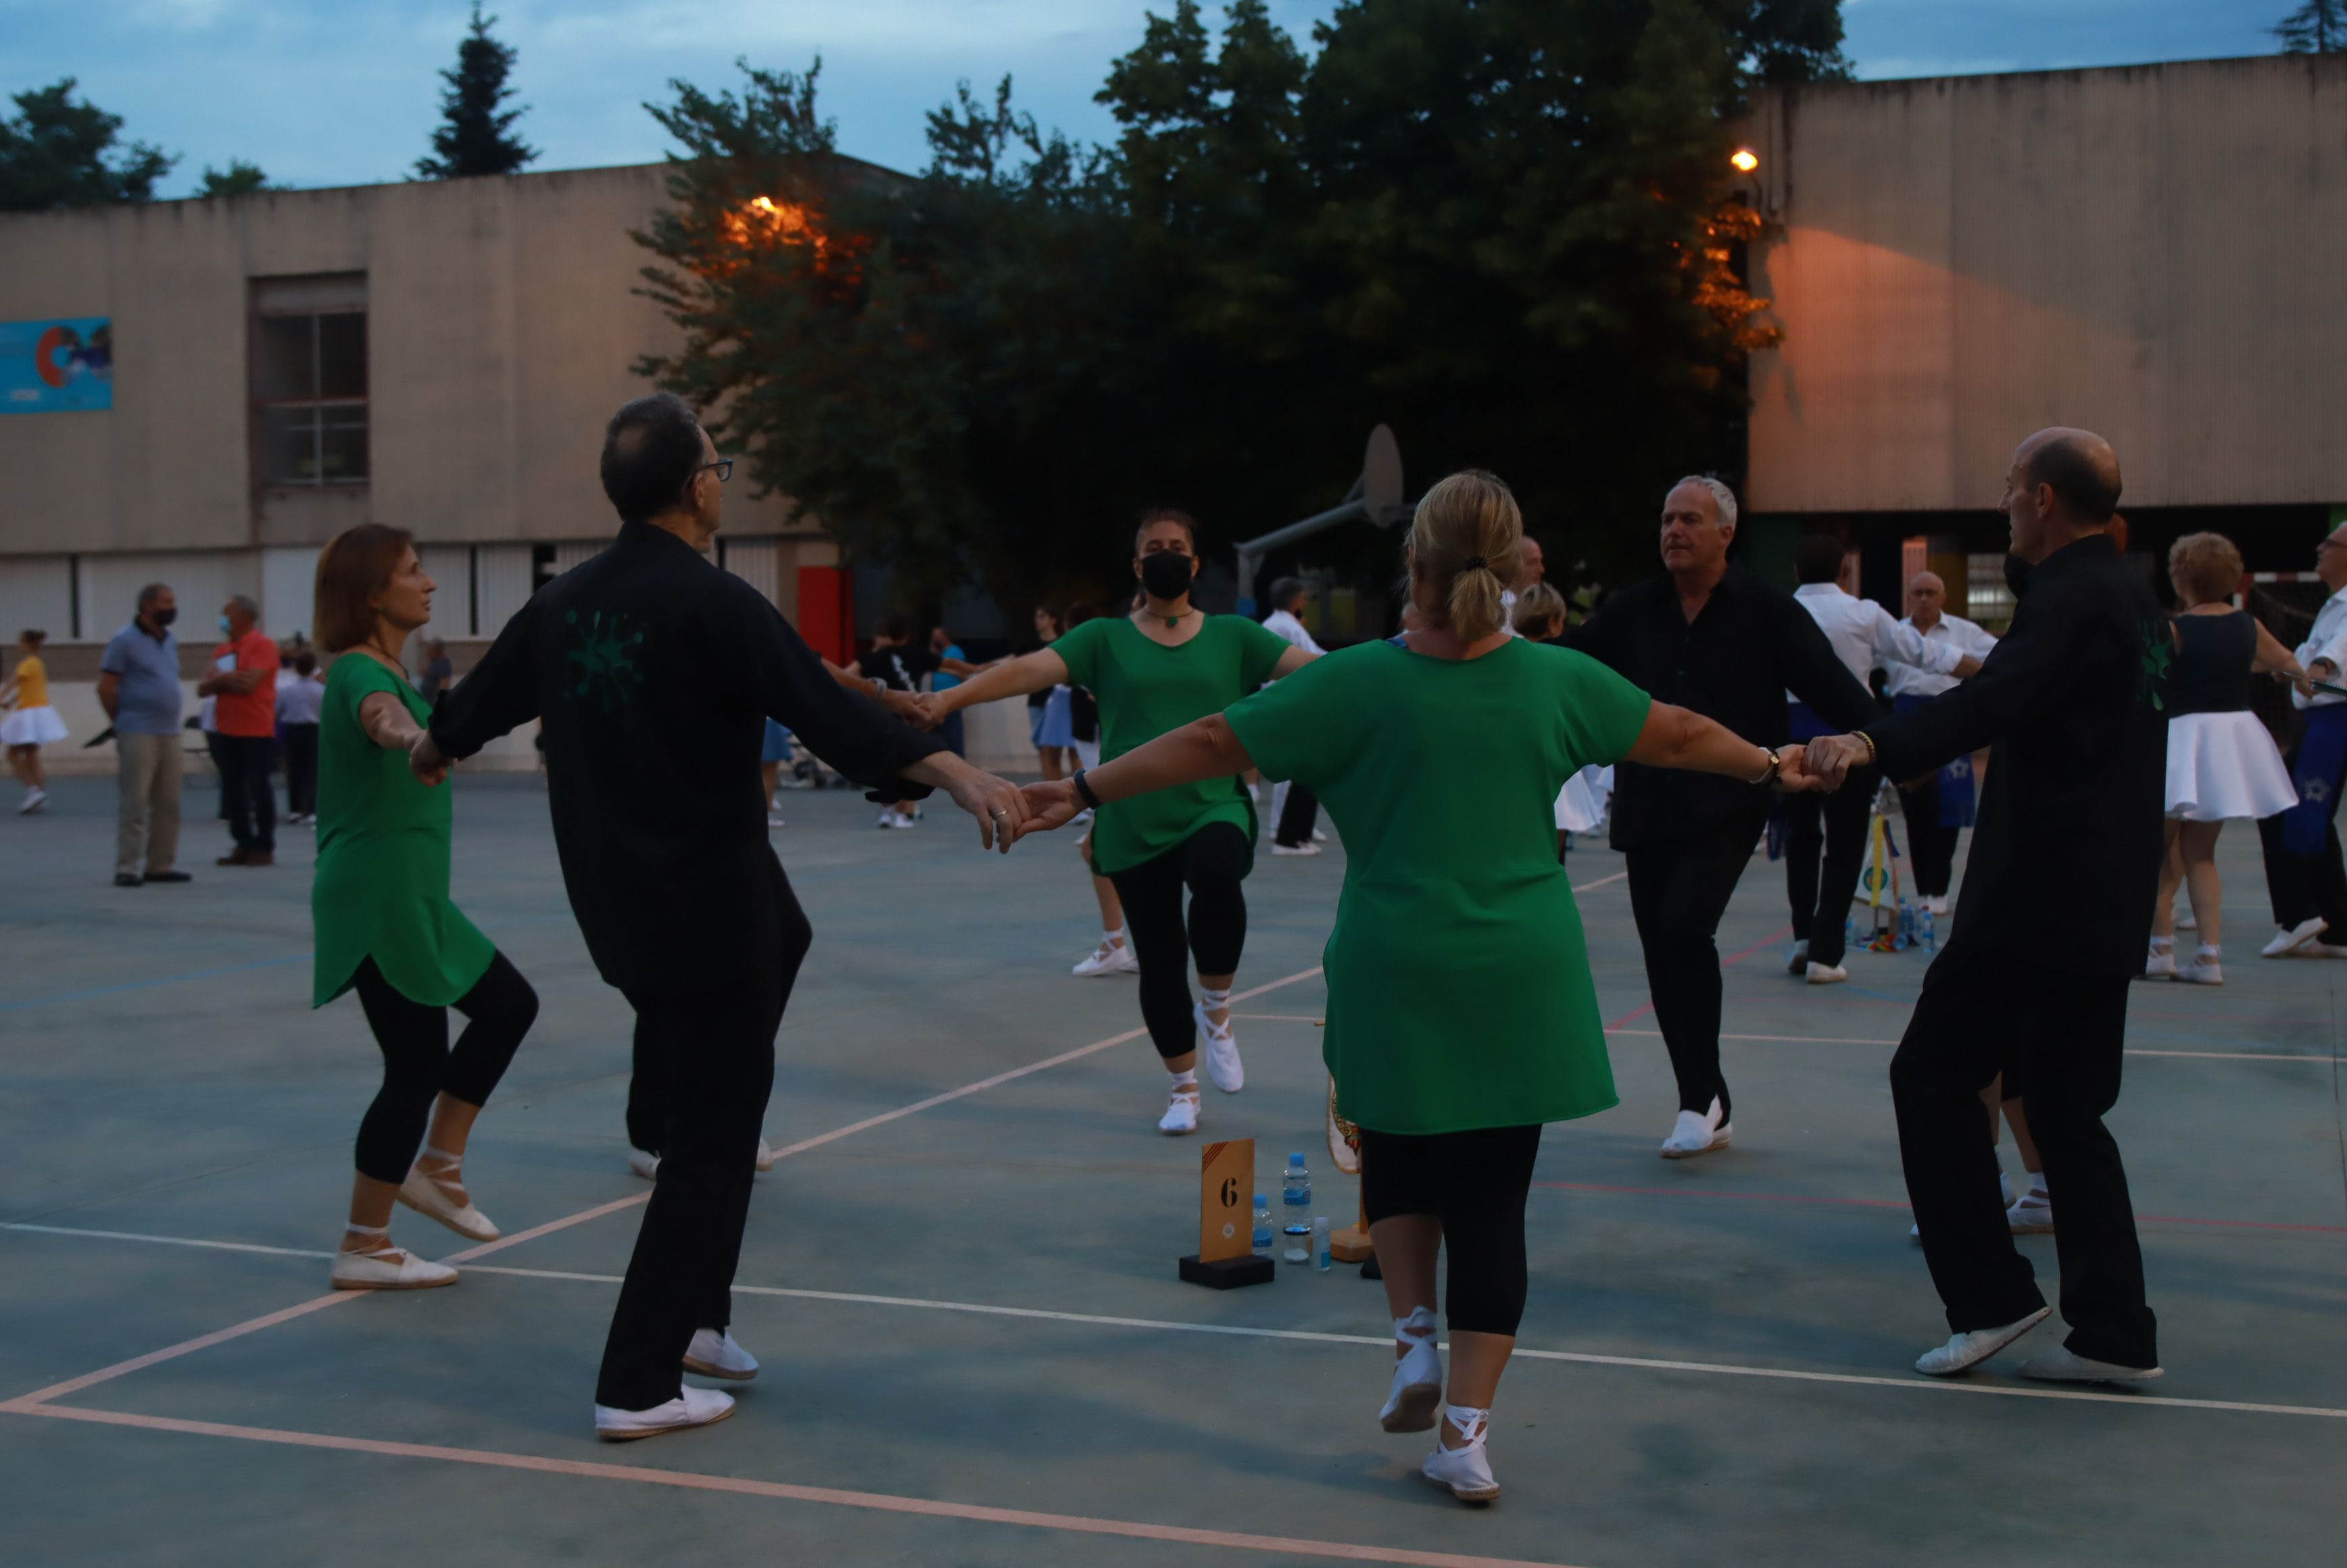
pixel 2151 253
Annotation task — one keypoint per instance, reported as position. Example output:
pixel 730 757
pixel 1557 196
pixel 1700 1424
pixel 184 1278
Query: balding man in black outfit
pixel 2055 910
pixel 1712 637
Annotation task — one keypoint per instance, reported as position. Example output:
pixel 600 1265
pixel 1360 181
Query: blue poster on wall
pixel 57 367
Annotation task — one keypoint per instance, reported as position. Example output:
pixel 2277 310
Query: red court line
pixel 1770 940
pixel 1893 1204
pixel 877 1502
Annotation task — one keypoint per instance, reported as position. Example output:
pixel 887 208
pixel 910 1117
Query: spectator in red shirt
pixel 244 680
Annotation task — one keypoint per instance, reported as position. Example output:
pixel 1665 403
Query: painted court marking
pixel 877 1502
pixel 2131 1050
pixel 26 1406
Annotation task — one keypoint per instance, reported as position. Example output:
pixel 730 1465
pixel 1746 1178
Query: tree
pixel 2317 27
pixel 239 178
pixel 475 135
pixel 57 153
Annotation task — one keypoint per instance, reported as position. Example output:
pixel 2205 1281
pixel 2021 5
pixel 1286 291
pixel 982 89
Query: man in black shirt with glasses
pixel 1712 637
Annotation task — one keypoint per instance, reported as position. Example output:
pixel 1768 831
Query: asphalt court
pixel 961 1281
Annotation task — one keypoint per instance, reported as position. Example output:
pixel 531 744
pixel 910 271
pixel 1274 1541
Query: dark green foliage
pixel 475 135
pixel 239 178
pixel 2317 27
pixel 57 153
pixel 1504 227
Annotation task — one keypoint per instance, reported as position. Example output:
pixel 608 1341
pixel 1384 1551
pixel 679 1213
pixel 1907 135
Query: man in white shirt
pixel 1939 805
pixel 1863 636
pixel 2304 874
pixel 1294 808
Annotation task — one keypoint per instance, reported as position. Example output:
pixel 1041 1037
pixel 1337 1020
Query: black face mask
pixel 163 616
pixel 2016 574
pixel 1166 575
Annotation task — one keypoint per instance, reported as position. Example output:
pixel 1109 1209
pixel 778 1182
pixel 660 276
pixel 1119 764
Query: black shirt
pixel 2065 858
pixel 653 672
pixel 900 668
pixel 1733 664
pixel 2215 658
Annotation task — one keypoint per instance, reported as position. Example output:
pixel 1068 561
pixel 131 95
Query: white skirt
pixel 32 727
pixel 2221 766
pixel 1581 804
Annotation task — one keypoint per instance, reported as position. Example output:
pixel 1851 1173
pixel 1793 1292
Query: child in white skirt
pixel 34 724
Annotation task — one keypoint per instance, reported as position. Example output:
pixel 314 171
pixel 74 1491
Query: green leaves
pixel 1503 226
pixel 56 152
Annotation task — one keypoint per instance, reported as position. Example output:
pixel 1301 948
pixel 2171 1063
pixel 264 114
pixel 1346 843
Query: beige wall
pixel 501 327
pixel 2153 252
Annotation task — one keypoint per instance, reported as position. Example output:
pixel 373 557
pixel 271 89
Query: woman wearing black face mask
pixel 1165 665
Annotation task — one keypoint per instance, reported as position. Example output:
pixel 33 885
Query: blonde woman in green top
pixel 1160 667
pixel 1461 1011
pixel 384 925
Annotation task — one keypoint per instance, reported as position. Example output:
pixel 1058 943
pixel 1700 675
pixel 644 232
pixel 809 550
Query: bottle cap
pixel 1260 1199
pixel 1296 1159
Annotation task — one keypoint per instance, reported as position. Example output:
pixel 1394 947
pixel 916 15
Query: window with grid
pixel 310 380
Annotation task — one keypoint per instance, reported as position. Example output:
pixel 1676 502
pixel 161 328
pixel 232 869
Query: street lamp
pixel 1745 159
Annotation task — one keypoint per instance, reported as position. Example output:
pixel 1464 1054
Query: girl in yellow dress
pixel 34 723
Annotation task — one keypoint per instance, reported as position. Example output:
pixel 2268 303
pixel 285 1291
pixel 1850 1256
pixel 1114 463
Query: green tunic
pixel 1146 689
pixel 381 888
pixel 1458 988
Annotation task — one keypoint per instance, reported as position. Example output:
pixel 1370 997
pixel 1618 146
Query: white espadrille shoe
pixel 384 1267
pixel 433 1193
pixel 1418 1376
pixel 692 1407
pixel 1465 1473
pixel 714 1353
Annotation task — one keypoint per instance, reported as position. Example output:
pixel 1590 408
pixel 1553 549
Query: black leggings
pixel 1475 1182
pixel 1211 862
pixel 418 1065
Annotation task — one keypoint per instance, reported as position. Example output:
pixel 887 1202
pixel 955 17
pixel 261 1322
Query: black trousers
pixel 1835 824
pixel 418 1065
pixel 1931 848
pixel 2065 1033
pixel 1211 863
pixel 711 1053
pixel 302 769
pixel 1475 1182
pixel 1678 891
pixel 2303 887
pixel 251 799
pixel 1297 816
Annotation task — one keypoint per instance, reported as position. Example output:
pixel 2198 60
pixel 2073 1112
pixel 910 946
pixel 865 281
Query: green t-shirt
pixel 382 886
pixel 1146 689
pixel 1459 988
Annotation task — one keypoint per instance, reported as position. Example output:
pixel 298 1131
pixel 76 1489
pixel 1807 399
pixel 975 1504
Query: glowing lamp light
pixel 1745 159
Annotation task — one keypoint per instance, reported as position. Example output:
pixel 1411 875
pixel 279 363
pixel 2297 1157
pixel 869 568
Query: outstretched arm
pixel 1037 671
pixel 1674 737
pixel 1295 659
pixel 1203 750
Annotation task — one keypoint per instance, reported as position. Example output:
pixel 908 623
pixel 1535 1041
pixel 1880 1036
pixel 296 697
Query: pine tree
pixel 2317 27
pixel 476 136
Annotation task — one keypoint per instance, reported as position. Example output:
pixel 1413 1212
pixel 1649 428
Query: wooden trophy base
pixel 1227 1273
pixel 1351 1245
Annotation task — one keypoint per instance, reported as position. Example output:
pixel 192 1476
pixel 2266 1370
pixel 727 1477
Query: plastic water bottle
pixel 1930 931
pixel 1262 1226
pixel 1906 924
pixel 1321 1258
pixel 1296 1204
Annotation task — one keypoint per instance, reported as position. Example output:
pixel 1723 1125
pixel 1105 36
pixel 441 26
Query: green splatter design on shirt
pixel 2159 653
pixel 605 657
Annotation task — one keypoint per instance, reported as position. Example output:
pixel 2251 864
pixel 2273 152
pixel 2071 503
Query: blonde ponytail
pixel 1463 543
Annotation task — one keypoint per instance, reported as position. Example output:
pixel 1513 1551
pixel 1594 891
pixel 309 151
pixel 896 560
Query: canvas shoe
pixel 1108 959
pixel 2292 939
pixel 714 1354
pixel 2062 1365
pixel 692 1407
pixel 1180 1118
pixel 1827 974
pixel 1418 1376
pixel 427 1193
pixel 388 1267
pixel 1465 1473
pixel 1223 1064
pixel 1962 1352
pixel 1693 1134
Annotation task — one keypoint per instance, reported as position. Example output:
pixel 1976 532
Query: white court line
pixel 1157 1325
pixel 25 1404
pixel 2131 1050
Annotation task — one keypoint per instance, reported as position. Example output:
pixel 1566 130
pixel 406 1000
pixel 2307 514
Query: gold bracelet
pixel 1870 752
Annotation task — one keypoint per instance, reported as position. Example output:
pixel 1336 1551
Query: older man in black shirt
pixel 1712 637
pixel 652 673
pixel 2055 910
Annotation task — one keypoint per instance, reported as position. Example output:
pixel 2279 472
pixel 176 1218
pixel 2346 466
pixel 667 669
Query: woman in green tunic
pixel 1160 667
pixel 384 925
pixel 1461 1011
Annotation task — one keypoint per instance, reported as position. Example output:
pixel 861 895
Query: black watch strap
pixel 1085 790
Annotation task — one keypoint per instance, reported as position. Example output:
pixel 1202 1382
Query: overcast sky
pixel 341 92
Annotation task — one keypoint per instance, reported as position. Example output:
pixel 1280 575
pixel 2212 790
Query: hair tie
pixel 1476 563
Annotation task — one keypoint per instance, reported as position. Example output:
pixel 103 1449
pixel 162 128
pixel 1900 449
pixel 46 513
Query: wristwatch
pixel 1776 767
pixel 1085 790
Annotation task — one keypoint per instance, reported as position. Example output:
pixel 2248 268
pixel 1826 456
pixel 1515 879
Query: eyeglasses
pixel 725 467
